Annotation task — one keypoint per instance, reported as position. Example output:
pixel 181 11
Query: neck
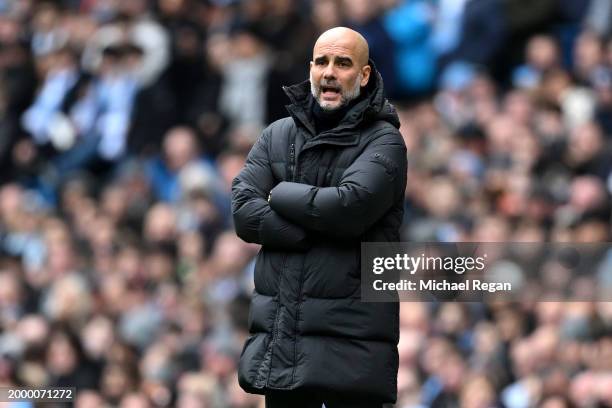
pixel 329 119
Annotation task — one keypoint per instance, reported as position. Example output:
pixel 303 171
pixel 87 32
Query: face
pixel 336 75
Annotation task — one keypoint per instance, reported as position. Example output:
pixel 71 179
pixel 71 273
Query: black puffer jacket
pixel 329 192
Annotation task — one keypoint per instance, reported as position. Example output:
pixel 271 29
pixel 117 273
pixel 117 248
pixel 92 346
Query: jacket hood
pixel 373 106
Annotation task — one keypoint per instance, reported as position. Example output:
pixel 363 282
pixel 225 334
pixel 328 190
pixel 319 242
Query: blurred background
pixel 123 122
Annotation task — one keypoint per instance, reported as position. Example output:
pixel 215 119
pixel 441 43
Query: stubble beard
pixel 345 96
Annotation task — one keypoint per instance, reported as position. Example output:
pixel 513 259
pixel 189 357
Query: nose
pixel 329 72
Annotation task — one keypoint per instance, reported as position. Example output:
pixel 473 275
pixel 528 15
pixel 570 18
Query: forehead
pixel 335 47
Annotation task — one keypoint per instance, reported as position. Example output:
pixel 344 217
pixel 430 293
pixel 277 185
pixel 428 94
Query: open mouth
pixel 330 90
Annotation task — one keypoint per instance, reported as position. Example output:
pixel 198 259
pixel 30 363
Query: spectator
pixel 123 124
pixel 180 155
pixel 409 25
pixel 366 18
pixel 542 55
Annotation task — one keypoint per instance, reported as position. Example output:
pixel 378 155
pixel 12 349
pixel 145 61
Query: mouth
pixel 330 91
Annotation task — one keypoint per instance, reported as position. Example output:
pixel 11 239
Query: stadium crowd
pixel 123 123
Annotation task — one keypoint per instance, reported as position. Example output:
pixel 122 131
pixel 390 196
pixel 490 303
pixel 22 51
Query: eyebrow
pixel 344 59
pixel 324 58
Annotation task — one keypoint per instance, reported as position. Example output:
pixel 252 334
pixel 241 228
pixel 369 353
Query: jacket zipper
pixel 275 326
pixel 292 161
pixel 294 178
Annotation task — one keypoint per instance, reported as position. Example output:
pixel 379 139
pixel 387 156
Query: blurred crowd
pixel 123 123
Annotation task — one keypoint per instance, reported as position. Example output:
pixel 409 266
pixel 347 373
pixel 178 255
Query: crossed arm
pixel 255 221
pixel 367 190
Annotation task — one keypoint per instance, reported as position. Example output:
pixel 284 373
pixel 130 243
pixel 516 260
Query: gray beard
pixel 346 96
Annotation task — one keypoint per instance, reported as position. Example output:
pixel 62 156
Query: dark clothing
pixel 309 331
pixel 285 399
pixel 153 114
pixel 484 32
pixel 381 48
pixel 327 120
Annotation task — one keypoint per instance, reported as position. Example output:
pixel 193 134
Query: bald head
pixel 347 40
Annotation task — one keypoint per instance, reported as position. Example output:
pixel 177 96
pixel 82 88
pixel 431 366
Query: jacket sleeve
pixel 254 220
pixel 366 191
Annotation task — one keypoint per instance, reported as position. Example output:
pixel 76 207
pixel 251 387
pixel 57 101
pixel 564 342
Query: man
pixel 314 186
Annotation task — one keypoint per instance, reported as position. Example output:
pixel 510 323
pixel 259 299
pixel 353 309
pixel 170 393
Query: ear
pixel 365 71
